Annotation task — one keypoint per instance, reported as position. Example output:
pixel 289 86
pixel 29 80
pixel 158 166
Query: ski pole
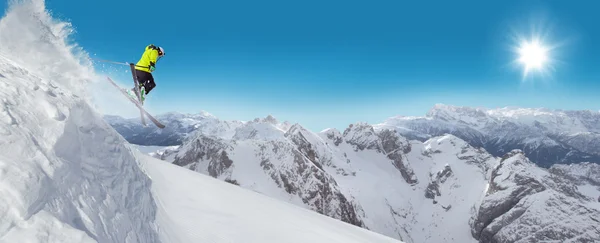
pixel 121 63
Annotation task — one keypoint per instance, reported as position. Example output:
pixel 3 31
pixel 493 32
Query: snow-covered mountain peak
pixel 514 165
pixel 362 136
pixel 206 114
pixel 445 142
pixel 308 140
pixel 333 135
pixel 270 119
pixel 458 156
pixel 475 117
pixel 258 130
pixel 332 131
pixel 283 126
pixel 297 129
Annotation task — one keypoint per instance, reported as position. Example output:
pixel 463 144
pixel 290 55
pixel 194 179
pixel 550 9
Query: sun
pixel 533 55
pixel 535 51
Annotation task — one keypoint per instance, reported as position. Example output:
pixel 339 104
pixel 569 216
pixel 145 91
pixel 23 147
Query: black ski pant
pixel 145 79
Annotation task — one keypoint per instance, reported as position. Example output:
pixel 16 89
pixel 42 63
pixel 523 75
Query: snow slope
pixel 198 208
pixel 65 175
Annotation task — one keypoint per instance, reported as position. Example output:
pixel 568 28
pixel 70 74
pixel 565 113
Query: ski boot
pixel 142 90
pixel 142 93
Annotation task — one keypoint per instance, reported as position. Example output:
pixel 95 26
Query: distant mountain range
pixel 178 127
pixel 547 136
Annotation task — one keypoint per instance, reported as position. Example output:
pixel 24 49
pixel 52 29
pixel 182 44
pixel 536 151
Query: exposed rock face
pixel 210 149
pixel 334 135
pixel 580 174
pixel 525 203
pixel 433 189
pixel 288 160
pixel 396 148
pixel 362 136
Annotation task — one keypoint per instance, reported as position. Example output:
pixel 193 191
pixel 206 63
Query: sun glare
pixel 534 49
pixel 533 55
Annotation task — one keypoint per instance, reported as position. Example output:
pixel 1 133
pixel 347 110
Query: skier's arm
pixel 153 56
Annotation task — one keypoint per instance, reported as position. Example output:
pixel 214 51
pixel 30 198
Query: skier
pixel 144 68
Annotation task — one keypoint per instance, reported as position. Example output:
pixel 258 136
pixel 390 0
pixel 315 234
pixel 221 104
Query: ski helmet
pixel 161 51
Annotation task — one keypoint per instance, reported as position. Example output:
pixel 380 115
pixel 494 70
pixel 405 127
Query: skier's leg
pixel 149 84
pixel 147 80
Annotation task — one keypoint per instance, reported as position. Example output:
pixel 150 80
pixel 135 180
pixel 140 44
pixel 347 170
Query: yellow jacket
pixel 148 59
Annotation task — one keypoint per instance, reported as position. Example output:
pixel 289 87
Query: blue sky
pixel 331 63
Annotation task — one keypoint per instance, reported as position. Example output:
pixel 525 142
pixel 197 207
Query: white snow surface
pixel 199 208
pixel 65 175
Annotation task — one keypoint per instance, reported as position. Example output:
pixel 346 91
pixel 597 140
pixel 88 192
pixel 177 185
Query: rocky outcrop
pixel 301 176
pixel 210 150
pixel 433 189
pixel 579 173
pixel 290 160
pixel 396 148
pixel 525 203
pixel 334 135
pixel 305 147
pixel 362 136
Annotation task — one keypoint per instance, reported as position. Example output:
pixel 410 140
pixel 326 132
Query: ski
pixel 137 91
pixel 124 92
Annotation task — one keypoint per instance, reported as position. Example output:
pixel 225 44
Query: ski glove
pixel 152 66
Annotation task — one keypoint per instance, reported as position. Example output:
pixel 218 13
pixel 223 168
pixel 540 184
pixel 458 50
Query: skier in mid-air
pixel 144 68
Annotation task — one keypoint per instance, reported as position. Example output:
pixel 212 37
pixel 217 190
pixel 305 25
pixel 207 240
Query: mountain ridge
pixel 378 179
pixel 548 136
